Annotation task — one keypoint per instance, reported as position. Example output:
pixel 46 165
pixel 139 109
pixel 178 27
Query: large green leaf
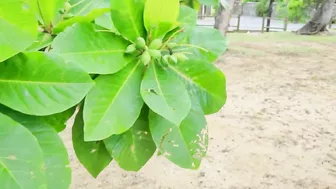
pixel 95 52
pixel 161 16
pixel 18 26
pixel 41 84
pixel 93 155
pixel 105 21
pixel 165 94
pixel 58 172
pixel 205 81
pixel 57 121
pixel 187 19
pixel 83 7
pixel 204 43
pixel 48 10
pixel 127 16
pixel 187 15
pixel 21 158
pixel 133 148
pixel 80 19
pixel 114 104
pixel 185 144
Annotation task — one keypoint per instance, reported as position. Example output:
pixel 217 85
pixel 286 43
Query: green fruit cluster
pixel 146 53
pixel 153 51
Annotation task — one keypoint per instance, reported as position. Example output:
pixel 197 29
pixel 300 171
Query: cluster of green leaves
pixel 297 10
pixel 262 8
pixel 294 10
pixel 137 75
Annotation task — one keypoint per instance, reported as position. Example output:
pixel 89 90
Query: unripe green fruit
pixel 145 58
pixel 155 54
pixel 130 49
pixel 140 43
pixel 156 44
pixel 181 57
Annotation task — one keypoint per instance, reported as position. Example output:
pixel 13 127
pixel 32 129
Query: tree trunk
pixel 320 20
pixel 222 19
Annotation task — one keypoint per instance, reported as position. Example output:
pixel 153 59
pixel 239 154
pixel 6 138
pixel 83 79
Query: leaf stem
pixel 194 46
pixel 172 37
pixel 76 4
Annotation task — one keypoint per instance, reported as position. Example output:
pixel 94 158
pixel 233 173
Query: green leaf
pixel 95 52
pixel 105 21
pixel 185 144
pixel 18 26
pixel 187 16
pixel 114 104
pixel 58 172
pixel 48 10
pixel 133 148
pixel 41 84
pixel 80 19
pixel 58 121
pixel 188 20
pixel 127 16
pixel 43 40
pixel 83 7
pixel 93 155
pixel 207 50
pixel 165 94
pixel 160 17
pixel 205 81
pixel 21 158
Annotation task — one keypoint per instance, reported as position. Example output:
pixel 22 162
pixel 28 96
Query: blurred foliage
pixel 295 10
pixel 262 7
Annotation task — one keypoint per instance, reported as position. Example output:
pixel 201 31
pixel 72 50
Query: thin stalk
pixel 171 37
pixel 193 46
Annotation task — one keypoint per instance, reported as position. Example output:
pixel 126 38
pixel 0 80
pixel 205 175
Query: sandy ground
pixel 277 130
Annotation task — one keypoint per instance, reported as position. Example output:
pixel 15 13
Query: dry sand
pixel 277 130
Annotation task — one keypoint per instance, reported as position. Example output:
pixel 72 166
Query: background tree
pixel 223 16
pixel 320 19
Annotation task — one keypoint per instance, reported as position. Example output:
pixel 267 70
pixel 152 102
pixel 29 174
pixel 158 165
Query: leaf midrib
pixel 118 92
pixel 10 173
pixel 132 19
pixel 88 5
pixel 93 52
pixel 159 86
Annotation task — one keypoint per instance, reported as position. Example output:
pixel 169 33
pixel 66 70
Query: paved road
pixel 253 23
